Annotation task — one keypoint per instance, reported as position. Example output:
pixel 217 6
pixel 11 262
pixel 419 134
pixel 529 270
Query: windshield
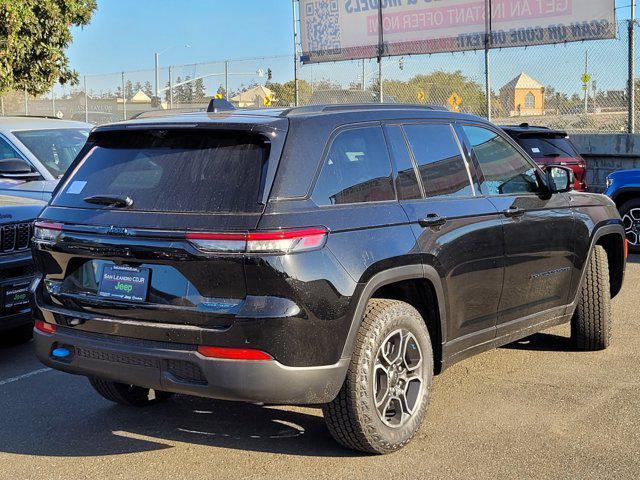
pixel 55 148
pixel 171 171
pixel 549 146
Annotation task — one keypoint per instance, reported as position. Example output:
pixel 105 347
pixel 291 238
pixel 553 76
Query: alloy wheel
pixel 398 383
pixel 631 221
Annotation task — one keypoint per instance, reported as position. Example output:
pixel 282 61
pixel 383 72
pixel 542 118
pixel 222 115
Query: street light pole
pixel 295 54
pixel 157 75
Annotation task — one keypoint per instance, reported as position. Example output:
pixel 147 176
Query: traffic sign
pixel 267 101
pixel 455 100
pixel 218 96
pixel 585 78
pixel 421 96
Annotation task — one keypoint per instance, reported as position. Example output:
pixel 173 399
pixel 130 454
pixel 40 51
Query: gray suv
pixel 35 152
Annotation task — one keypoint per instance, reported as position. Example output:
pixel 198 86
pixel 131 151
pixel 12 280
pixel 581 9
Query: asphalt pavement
pixel 534 409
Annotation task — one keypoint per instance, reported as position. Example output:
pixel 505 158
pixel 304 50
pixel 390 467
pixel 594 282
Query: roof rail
pixel 359 106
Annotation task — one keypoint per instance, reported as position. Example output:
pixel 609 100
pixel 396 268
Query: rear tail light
pixel 47 231
pixel 233 353
pixel 278 241
pixel 45 327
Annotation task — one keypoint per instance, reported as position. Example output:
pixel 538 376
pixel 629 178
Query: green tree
pixel 128 90
pixel 148 89
pixel 284 93
pixel 199 92
pixel 34 35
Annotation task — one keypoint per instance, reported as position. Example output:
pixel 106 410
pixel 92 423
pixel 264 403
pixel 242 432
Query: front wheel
pixel 383 400
pixel 630 213
pixel 128 395
pixel 591 322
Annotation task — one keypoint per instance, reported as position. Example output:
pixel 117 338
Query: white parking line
pixel 22 377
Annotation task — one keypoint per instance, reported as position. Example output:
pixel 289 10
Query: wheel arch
pixel 404 278
pixel 612 239
pixel 623 195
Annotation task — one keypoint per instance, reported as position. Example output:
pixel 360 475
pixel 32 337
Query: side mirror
pixel 560 179
pixel 17 169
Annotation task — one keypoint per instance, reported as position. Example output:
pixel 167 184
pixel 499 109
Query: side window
pixel 7 151
pixel 504 171
pixel 356 170
pixel 407 183
pixel 442 168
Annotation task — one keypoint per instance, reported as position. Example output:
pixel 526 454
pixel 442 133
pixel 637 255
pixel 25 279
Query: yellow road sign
pixel 218 96
pixel 421 96
pixel 585 78
pixel 267 101
pixel 455 100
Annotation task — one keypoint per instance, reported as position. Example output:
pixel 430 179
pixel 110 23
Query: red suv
pixel 550 147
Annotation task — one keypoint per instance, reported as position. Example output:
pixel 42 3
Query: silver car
pixel 35 152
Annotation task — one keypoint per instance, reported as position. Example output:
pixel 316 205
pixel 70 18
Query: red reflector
pixel 45 327
pixel 233 353
pixel 49 225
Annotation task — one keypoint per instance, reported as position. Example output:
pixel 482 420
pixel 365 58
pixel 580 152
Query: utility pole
pixel 295 53
pixel 631 96
pixel 26 103
pixel 380 50
pixel 53 102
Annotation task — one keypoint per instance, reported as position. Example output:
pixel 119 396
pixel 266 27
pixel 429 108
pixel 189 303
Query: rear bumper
pixel 10 322
pixel 180 368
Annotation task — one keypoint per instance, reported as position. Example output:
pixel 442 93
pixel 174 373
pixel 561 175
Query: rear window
pixel 55 148
pixel 551 146
pixel 172 171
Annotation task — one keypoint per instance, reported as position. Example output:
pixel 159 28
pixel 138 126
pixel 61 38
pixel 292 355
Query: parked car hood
pixel 19 209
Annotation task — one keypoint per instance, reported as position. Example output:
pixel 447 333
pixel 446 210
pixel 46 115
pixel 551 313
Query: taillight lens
pixel 46 231
pixel 278 241
pixel 45 327
pixel 233 353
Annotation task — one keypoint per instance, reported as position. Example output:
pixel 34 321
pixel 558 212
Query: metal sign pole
pixel 295 54
pixel 226 80
pixel 631 87
pixel 124 100
pixel 487 63
pixel 171 88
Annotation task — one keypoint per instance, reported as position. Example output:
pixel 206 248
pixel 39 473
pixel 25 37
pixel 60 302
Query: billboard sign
pixel 350 29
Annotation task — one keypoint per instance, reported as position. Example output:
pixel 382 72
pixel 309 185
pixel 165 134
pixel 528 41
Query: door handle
pixel 432 220
pixel 513 212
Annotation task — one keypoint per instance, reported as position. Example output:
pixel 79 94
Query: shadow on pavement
pixel 71 420
pixel 547 342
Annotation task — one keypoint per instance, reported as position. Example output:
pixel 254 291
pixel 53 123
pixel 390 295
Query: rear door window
pixel 172 171
pixel 407 181
pixel 437 153
pixel 357 169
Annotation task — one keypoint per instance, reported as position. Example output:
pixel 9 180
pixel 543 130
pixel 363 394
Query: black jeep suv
pixel 16 267
pixel 335 255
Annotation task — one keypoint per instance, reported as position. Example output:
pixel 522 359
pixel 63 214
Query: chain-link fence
pixel 580 87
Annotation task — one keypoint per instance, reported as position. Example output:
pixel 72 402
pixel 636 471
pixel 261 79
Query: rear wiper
pixel 551 155
pixel 110 200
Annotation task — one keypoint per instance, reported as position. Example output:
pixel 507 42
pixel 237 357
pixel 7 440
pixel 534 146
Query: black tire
pixel 632 231
pixel 352 418
pixel 591 322
pixel 128 395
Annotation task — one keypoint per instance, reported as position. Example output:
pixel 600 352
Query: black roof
pixel 270 116
pixel 526 128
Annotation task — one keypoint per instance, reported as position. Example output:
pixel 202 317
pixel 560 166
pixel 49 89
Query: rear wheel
pixel 591 322
pixel 128 395
pixel 384 398
pixel 630 213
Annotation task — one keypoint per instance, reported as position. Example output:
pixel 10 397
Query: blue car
pixel 623 187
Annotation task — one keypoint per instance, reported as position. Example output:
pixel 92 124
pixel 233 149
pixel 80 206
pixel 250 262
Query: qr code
pixel 323 25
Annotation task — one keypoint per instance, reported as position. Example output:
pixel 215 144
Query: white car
pixel 35 152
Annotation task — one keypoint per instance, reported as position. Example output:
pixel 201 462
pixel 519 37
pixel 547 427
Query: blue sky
pixel 125 34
